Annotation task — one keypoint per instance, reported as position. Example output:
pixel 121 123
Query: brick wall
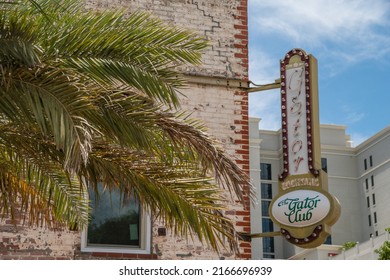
pixel 222 22
pixel 224 112
pixel 219 103
pixel 36 243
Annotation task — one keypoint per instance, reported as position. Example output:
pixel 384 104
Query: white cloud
pixel 266 105
pixel 264 68
pixel 314 21
pixel 340 33
pixel 351 116
pixel 348 31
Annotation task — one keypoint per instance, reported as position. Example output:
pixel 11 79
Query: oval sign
pixel 300 208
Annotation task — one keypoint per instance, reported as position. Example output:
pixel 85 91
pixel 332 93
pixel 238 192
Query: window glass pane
pixel 324 164
pixel 373 199
pixel 368 201
pixel 268 225
pixel 365 164
pixel 265 171
pixel 268 245
pixel 265 207
pixel 266 191
pixel 328 240
pixel 115 220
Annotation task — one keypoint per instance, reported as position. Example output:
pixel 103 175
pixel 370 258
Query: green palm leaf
pixel 49 100
pixel 178 193
pixel 32 182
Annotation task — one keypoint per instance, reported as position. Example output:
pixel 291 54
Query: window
pixel 268 225
pixel 369 220
pixel 366 184
pixel 266 191
pixel 376 233
pixel 265 207
pixel 268 245
pixel 370 161
pixel 372 180
pixel 268 256
pixel 373 199
pixel 265 171
pixel 324 164
pixel 118 224
pixel 328 240
pixel 365 164
pixel 375 218
pixel 368 201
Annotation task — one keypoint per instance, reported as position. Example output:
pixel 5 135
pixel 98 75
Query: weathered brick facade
pixel 222 22
pixel 215 94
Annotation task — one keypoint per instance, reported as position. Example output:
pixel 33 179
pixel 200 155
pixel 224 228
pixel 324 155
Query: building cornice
pixel 373 140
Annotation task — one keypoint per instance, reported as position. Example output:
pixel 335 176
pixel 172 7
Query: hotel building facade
pixel 358 177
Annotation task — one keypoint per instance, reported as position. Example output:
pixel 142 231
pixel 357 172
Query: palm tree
pixel 88 98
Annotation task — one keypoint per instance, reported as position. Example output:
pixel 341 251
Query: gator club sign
pixel 300 208
pixel 303 208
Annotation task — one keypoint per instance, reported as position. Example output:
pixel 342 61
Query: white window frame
pixel 145 239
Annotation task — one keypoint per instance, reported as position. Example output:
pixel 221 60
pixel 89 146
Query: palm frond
pixel 170 134
pixel 178 193
pixel 139 50
pixel 37 185
pixel 114 35
pixel 183 134
pixel 191 135
pixel 17 36
pixel 49 99
pixel 117 73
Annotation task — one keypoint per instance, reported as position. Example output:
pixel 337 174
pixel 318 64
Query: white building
pixel 358 176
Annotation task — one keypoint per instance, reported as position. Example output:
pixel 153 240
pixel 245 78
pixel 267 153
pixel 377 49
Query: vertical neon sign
pixel 297 130
pixel 303 208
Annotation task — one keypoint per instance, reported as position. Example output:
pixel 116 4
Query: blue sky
pixel 351 41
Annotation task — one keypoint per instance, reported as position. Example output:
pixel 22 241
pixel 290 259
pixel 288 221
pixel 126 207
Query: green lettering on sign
pixel 300 208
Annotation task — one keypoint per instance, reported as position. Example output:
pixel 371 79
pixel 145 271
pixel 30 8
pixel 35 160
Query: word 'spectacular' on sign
pixel 303 208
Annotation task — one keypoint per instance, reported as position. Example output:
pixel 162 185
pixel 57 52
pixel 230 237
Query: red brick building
pixel 216 95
